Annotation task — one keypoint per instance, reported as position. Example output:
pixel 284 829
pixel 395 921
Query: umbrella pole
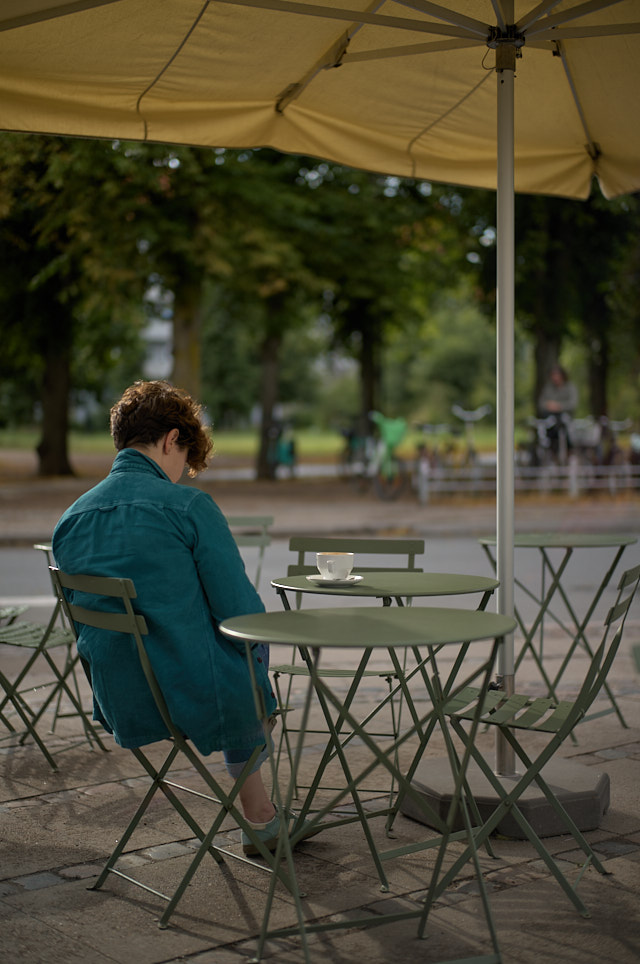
pixel 505 68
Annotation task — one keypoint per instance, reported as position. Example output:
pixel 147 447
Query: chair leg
pixel 159 782
pixel 135 820
pixel 573 828
pixel 509 805
pixel 15 700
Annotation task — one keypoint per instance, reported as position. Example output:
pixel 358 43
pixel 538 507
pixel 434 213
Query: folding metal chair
pixel 40 642
pixel 556 718
pixel 72 661
pixel 98 591
pixel 9 614
pixel 405 552
pixel 252 531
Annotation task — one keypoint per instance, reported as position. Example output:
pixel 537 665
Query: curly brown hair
pixel 148 410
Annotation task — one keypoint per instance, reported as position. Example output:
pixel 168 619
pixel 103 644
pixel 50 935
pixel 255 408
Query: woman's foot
pixel 268 833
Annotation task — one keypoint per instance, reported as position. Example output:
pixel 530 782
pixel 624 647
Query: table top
pixel 393 583
pixel 373 627
pixel 565 540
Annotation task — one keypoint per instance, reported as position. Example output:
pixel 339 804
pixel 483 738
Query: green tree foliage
pixel 63 280
pixel 386 245
pixel 455 366
pixel 574 284
pixel 271 259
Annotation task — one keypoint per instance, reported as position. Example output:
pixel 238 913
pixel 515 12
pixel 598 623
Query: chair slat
pixel 116 622
pixel 534 713
pixel 29 635
pixel 630 576
pixel 507 709
pixel 301 670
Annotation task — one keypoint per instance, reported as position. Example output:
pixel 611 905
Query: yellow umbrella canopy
pixel 405 88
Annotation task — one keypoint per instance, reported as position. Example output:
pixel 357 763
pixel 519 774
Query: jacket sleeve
pixel 228 589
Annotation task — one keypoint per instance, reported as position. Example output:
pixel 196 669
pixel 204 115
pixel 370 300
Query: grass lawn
pixel 310 444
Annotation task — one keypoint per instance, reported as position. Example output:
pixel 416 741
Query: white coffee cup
pixel 334 565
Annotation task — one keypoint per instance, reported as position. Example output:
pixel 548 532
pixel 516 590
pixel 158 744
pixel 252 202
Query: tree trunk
pixel 597 376
pixel 187 340
pixel 369 371
pixel 270 366
pixel 546 352
pixel 594 310
pixel 53 457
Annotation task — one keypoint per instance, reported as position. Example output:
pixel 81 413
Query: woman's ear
pixel 170 439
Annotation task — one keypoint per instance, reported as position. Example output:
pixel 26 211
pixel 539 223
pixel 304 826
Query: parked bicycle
pixel 470 418
pixel 441 463
pixel 356 455
pixel 369 460
pixel 610 450
pixel 549 442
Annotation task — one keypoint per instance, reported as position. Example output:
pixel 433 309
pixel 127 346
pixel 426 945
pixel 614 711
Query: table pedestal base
pixel 582 790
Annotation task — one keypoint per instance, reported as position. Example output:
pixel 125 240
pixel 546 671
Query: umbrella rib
pixel 590 6
pixel 544 7
pixel 337 56
pixel 52 13
pixel 410 50
pixel 354 16
pixel 584 33
pixel 449 16
pixel 527 22
pixel 592 148
pixel 333 57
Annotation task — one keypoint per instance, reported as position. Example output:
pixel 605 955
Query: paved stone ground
pixel 57 828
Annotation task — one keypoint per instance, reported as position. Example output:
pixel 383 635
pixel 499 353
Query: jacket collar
pixel 131 460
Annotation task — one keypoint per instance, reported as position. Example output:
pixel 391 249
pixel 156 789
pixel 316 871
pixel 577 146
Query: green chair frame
pixel 252 531
pixel 524 714
pixel 551 587
pixel 39 641
pixel 71 657
pixel 98 591
pixel 403 549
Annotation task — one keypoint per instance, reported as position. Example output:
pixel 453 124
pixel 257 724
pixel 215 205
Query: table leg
pixel 581 627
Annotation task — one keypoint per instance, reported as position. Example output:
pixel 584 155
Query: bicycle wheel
pixel 391 479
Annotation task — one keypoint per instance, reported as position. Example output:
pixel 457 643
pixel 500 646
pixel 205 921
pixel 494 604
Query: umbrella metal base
pixel 583 791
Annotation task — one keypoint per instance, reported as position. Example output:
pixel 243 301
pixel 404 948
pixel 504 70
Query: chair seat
pixel 11 612
pixel 29 636
pixel 518 711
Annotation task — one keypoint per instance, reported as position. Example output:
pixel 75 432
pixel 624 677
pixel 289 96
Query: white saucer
pixel 328 581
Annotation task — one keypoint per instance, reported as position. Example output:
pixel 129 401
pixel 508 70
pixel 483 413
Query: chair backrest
pixel 606 651
pixel 122 592
pixel 405 550
pixel 252 530
pixel 47 549
pixel 59 612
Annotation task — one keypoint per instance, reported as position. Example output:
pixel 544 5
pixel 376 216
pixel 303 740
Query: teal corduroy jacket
pixel 173 541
